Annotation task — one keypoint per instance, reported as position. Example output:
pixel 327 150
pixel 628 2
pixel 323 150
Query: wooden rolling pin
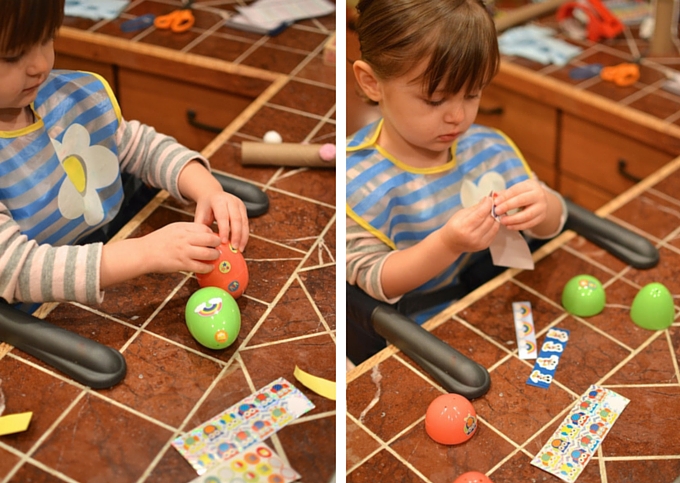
pixel 288 154
pixel 523 14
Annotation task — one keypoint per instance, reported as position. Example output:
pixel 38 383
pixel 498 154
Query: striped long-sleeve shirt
pixel 392 206
pixel 60 180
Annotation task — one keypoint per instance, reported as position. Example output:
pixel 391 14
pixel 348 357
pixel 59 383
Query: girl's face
pixel 419 129
pixel 21 73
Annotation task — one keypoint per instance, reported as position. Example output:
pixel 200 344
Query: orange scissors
pixel 178 21
pixel 623 75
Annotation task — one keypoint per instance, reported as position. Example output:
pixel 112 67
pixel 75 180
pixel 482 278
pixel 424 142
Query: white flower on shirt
pixel 87 169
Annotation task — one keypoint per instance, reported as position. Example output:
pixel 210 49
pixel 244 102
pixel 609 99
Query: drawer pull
pixel 626 174
pixel 491 111
pixel 191 117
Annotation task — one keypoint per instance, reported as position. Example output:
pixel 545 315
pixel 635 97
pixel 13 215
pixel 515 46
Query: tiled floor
pixel 173 384
pixel 387 396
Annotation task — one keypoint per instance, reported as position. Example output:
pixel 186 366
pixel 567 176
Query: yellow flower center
pixel 75 170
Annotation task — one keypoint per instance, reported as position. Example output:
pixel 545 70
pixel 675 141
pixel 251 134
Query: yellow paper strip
pixel 322 387
pixel 14 423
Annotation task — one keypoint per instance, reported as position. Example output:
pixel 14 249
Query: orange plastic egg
pixel 473 477
pixel 450 419
pixel 230 272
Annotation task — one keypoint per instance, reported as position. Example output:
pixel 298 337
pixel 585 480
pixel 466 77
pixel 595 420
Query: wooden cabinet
pixel 595 160
pixel 588 163
pixel 530 125
pixel 165 104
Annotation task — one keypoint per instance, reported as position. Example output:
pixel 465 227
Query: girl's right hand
pixel 181 246
pixel 471 229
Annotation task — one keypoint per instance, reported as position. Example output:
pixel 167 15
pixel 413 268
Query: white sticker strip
pixel 250 421
pixel 574 442
pixel 524 330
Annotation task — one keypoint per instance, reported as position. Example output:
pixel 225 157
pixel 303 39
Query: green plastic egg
pixel 653 307
pixel 213 317
pixel 583 296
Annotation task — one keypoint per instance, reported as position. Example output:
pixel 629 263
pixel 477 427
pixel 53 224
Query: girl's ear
pixel 367 80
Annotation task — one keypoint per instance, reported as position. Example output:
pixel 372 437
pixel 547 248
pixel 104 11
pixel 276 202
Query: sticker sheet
pixel 248 422
pixel 524 330
pixel 546 362
pixel 259 463
pixel 571 446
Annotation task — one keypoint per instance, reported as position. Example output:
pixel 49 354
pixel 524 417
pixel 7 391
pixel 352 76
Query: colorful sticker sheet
pixel 572 445
pixel 546 362
pixel 524 330
pixel 259 463
pixel 248 422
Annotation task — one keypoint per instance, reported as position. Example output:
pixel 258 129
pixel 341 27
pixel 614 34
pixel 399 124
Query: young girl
pixel 411 227
pixel 63 145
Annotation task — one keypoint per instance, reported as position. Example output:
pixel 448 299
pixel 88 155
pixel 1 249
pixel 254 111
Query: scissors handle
pixel 178 21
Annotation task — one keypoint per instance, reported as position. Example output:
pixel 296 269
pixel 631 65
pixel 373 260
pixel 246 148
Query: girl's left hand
pixel 230 214
pixel 529 198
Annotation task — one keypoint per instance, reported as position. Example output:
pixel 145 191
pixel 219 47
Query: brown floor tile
pixel 29 389
pixel 270 265
pixel 274 59
pixel 406 405
pixel 228 49
pixel 493 314
pixel 383 463
pixel 652 365
pixel 318 185
pixel 84 448
pixel 588 357
pixel 305 97
pixel 552 274
pixel 293 127
pixel 615 318
pixel 359 444
pixel 164 381
pixel 293 222
pixel 319 283
pixel 651 214
pixel 663 271
pixel 293 316
pixel 7 461
pixel 441 463
pixel 637 471
pixel 298 39
pixel 29 472
pixel 171 467
pixel 505 406
pixel 661 425
pixel 314 355
pixel 301 441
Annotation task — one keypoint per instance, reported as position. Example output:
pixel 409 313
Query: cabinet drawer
pixel 584 194
pixel 163 103
pixel 593 154
pixel 531 126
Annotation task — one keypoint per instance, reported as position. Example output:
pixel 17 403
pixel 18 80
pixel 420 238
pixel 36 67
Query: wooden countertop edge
pixel 623 119
pixel 163 53
pixel 542 252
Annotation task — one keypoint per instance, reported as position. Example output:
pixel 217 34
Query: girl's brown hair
pixel 25 23
pixel 458 37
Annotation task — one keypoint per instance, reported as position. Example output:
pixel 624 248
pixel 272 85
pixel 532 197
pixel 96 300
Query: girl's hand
pixel 230 214
pixel 180 246
pixel 471 229
pixel 529 197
